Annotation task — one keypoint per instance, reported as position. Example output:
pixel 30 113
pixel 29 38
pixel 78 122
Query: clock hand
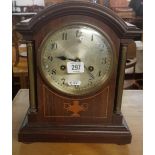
pixel 62 58
pixel 76 59
pixel 65 58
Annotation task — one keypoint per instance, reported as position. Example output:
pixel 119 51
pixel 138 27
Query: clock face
pixel 76 59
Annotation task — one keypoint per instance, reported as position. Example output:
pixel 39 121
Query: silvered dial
pixel 67 51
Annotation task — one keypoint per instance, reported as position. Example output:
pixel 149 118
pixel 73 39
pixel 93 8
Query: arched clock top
pixel 96 11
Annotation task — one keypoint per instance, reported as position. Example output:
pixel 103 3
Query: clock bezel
pixel 93 90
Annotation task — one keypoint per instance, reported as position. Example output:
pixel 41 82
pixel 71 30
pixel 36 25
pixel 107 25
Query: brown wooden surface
pixel 132 109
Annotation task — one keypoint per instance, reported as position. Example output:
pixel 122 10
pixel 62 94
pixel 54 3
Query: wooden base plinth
pixel 36 132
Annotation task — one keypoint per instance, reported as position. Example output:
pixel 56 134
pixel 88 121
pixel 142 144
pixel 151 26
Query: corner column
pixel 32 93
pixel 120 79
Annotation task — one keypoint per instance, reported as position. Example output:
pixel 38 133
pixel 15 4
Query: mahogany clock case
pixel 61 117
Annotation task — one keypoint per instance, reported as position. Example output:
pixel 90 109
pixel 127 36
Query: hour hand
pixel 64 58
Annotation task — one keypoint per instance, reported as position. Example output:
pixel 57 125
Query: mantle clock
pixel 76 59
